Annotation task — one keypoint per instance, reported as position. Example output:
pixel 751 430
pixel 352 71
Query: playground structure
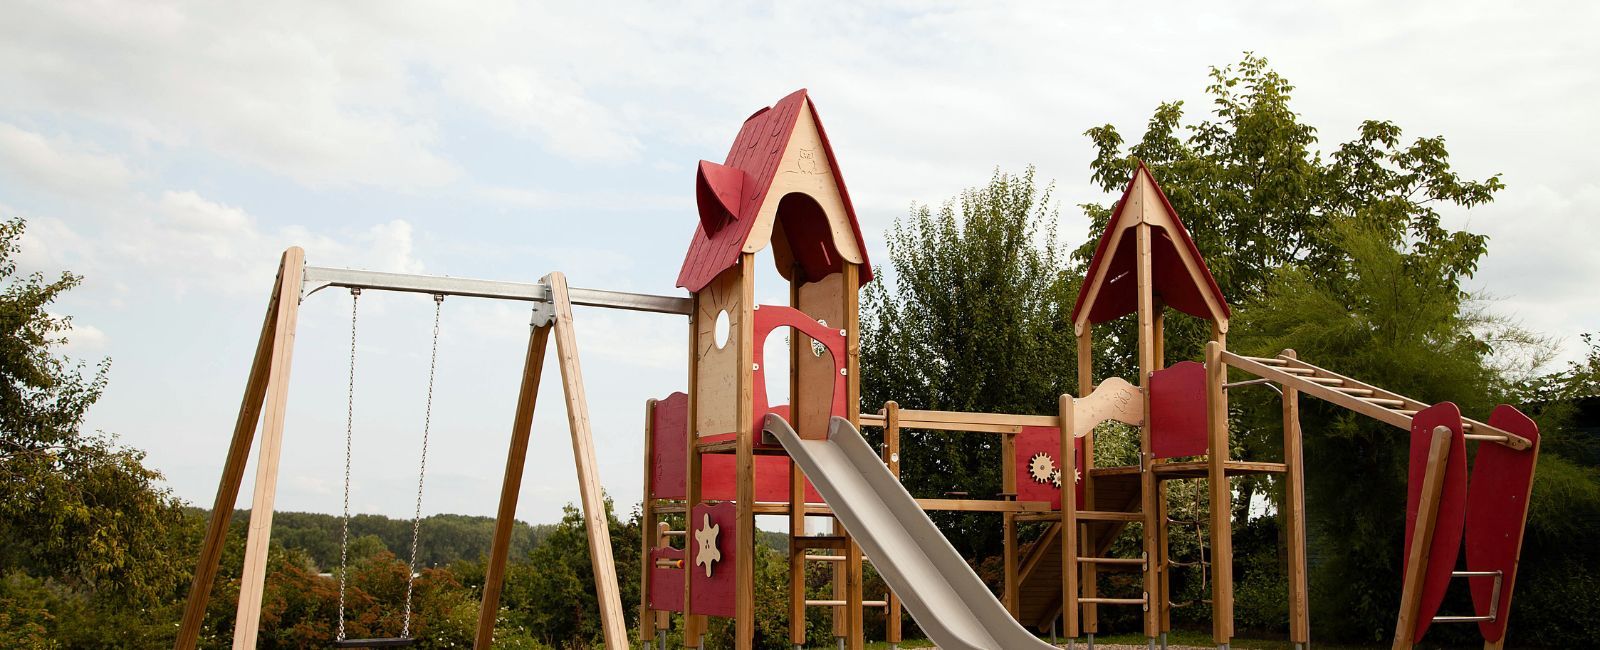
pixel 722 453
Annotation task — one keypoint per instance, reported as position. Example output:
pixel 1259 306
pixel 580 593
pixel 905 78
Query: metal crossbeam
pixel 319 277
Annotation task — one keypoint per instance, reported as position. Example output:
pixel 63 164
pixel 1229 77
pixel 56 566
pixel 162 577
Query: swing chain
pixel 349 428
pixel 422 470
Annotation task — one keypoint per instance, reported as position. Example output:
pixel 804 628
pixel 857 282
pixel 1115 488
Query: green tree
pixel 76 508
pixel 552 595
pixel 972 316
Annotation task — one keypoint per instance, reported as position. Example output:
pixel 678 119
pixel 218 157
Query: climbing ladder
pixel 1366 399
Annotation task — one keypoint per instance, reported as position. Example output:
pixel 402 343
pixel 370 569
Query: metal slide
pixel 940 590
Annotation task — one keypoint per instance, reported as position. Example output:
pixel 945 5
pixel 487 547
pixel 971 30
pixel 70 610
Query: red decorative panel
pixel 710 536
pixel 1038 465
pixel 771 317
pixel 669 451
pixel 719 481
pixel 666 583
pixel 1452 505
pixel 1497 510
pixel 1178 410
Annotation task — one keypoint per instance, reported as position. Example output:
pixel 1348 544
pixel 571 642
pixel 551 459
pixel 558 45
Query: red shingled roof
pixel 1174 280
pixel 729 202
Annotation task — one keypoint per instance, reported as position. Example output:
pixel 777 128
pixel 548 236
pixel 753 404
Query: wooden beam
pixel 797 489
pixel 647 523
pixel 253 581
pixel 1150 532
pixel 1221 494
pixel 929 418
pixel 1008 485
pixel 1294 511
pixel 1069 521
pixel 891 452
pixel 693 625
pixel 244 432
pixel 612 622
pixel 744 590
pixel 1422 538
pixel 511 486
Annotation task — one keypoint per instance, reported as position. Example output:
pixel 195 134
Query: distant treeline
pixel 443 539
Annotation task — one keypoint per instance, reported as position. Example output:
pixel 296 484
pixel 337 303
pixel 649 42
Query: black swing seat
pixel 392 642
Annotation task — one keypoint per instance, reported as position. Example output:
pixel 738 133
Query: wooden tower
pixel 779 185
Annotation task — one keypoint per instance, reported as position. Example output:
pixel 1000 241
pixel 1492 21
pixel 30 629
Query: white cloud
pixel 57 165
pixel 556 113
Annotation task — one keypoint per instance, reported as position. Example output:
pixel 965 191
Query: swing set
pixel 265 403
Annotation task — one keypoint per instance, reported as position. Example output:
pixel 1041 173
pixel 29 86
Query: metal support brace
pixel 1163 641
pixel 319 277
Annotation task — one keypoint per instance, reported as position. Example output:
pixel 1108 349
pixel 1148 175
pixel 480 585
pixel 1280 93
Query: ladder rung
pixel 1107 515
pixel 1359 392
pixel 1383 401
pixel 1268 361
pixel 831 558
pixel 819 541
pixel 1297 371
pixel 1326 381
pixel 1112 601
pixel 840 603
pixel 1461 619
pixel 1112 560
pixel 1408 412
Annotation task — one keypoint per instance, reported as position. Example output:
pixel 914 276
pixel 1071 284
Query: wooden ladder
pixel 1363 398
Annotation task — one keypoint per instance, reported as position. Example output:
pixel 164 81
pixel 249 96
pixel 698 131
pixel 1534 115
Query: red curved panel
pixel 1497 511
pixel 712 595
pixel 771 317
pixel 669 439
pixel 666 583
pixel 1447 528
pixel 1178 410
pixel 1045 441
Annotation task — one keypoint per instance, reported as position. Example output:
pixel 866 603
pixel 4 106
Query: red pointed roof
pixel 730 195
pixel 1180 276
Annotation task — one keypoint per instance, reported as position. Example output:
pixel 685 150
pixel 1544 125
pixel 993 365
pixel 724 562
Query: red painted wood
pixel 666 584
pixel 718 190
pixel 1178 410
pixel 1497 511
pixel 718 481
pixel 756 152
pixel 713 596
pixel 669 450
pixel 771 317
pixel 1447 528
pixel 1047 441
pixel 1119 295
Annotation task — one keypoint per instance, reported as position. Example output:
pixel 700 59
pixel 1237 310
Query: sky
pixel 169 151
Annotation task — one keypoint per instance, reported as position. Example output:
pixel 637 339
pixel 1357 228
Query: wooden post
pixel 1147 475
pixel 1294 510
pixel 1008 485
pixel 1069 514
pixel 694 625
pixel 1089 579
pixel 284 302
pixel 1422 538
pixel 745 494
pixel 511 485
pixel 594 507
pixel 1221 495
pixel 891 452
pixel 797 484
pixel 1162 563
pixel 852 310
pixel 647 523
pixel 265 493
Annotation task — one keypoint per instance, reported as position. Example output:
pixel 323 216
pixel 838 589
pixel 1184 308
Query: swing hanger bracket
pixel 544 313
